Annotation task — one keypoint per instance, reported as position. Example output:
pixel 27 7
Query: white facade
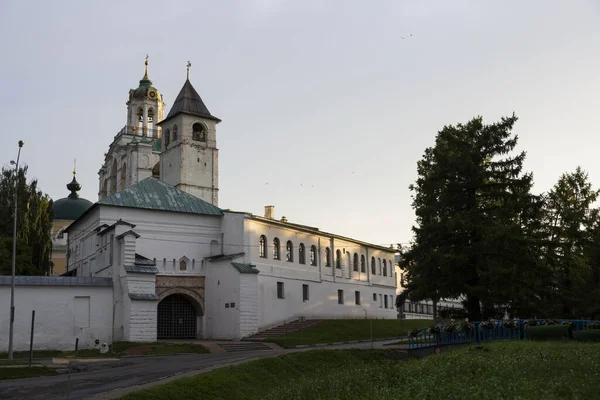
pixel 63 314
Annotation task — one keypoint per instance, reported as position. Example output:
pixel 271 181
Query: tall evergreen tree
pixel 476 235
pixel 34 225
pixel 572 229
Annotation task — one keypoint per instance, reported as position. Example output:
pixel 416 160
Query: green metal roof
pixel 153 194
pixel 245 268
pixel 156 145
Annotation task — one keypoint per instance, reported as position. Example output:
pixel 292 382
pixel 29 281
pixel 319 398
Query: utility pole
pixel 14 257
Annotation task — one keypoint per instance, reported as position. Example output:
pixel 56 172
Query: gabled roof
pixel 188 101
pixel 153 194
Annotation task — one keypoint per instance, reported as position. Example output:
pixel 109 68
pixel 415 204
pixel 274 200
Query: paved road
pixel 107 376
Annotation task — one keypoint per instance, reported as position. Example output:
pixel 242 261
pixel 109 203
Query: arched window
pixel 301 254
pixel 198 132
pixel 327 257
pixel 174 133
pixel 140 118
pixel 182 265
pixel 151 122
pixel 113 177
pixel 156 170
pixel 276 255
pixel 362 264
pixel 379 264
pixel 355 262
pixel 338 259
pixel 289 251
pixel 313 255
pixel 167 137
pixel 373 267
pixel 263 246
pixel 384 268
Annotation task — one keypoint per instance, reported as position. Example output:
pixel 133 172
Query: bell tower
pixel 145 108
pixel 189 157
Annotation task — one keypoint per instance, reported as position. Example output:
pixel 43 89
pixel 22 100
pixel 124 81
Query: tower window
pixel 338 259
pixel 301 255
pixel 174 133
pixel 327 257
pixel 355 262
pixel 167 137
pixel 198 132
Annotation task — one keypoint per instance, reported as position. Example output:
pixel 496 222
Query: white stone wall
pixel 142 321
pixel 248 309
pixel 222 289
pixel 62 314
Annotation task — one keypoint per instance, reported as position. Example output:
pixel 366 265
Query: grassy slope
pixel 504 370
pixel 343 330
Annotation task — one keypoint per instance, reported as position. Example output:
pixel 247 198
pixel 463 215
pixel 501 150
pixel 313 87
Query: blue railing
pixel 478 333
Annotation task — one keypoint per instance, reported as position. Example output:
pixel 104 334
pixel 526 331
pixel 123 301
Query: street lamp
pixel 14 256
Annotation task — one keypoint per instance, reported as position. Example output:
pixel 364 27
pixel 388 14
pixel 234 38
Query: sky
pixel 326 105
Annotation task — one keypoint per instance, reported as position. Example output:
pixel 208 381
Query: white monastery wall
pixel 222 301
pixel 62 314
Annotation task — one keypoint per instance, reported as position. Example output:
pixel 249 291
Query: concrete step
pixel 282 330
pixel 247 346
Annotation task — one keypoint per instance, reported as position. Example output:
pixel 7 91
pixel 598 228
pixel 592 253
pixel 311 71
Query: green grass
pixel 343 330
pixel 501 370
pixel 19 373
pixel 119 349
pixel 6 362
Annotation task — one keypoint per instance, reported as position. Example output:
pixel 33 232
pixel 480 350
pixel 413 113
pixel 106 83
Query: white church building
pixel 163 261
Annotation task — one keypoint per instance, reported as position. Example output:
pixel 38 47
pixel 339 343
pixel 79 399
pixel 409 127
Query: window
pixel 340 296
pixel 355 263
pixel 301 254
pixel 384 268
pixel 362 264
pixel 304 292
pixel 182 265
pixel 380 301
pixel 174 133
pixel 338 259
pixel 386 301
pixel 289 251
pixel 61 234
pixel 379 264
pixel 198 132
pixel 262 244
pixel 276 249
pixel 374 296
pixel 391 301
pixel 167 137
pixel 327 257
pixel 280 290
pixel 313 255
pixel 357 298
pixel 396 278
pixel 373 268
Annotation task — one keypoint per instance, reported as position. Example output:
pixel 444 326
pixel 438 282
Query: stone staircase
pixel 282 330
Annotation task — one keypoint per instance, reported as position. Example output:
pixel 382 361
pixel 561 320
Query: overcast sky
pixel 326 105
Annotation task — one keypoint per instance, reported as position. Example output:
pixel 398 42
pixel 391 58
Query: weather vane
pixel 188 65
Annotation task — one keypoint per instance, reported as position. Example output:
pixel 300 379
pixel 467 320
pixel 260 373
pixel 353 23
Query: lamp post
pixel 14 256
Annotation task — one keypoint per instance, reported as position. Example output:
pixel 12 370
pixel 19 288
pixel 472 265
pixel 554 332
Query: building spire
pixel 188 65
pixel 74 166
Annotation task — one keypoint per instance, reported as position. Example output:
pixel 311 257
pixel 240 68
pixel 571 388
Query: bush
pixel 550 332
pixel 590 335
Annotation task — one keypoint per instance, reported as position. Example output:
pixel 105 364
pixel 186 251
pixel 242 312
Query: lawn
pixel 343 330
pixel 119 349
pixel 25 372
pixel 501 370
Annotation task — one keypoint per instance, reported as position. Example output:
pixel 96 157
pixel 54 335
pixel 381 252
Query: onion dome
pixel 145 90
pixel 71 207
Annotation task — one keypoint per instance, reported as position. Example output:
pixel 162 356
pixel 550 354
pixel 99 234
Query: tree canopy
pixel 34 225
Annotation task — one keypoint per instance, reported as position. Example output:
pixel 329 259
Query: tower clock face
pixel 152 95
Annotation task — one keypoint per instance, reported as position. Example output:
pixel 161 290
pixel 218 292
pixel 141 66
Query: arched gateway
pixel 177 317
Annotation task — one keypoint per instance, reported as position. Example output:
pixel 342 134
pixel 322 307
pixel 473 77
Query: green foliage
pixel 589 335
pixel 34 225
pixel 343 330
pixel 550 332
pixel 26 372
pixel 503 370
pixel 478 225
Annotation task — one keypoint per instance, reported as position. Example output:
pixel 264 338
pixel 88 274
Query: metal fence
pixel 481 332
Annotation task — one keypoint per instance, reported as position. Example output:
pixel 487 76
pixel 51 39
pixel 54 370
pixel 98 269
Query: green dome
pixel 145 89
pixel 71 207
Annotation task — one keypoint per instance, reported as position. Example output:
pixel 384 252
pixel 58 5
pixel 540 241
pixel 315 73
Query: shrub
pixel 590 335
pixel 550 332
